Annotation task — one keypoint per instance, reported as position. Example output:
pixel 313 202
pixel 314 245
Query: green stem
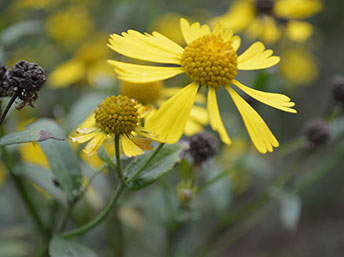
pixel 118 159
pixel 101 216
pixel 26 197
pixel 8 107
pixel 146 163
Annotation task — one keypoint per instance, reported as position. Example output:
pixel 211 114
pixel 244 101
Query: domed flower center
pixel 144 93
pixel 210 61
pixel 117 115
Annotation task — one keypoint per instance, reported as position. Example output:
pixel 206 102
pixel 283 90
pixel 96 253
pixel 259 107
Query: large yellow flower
pixel 210 60
pixel 116 115
pixel 269 19
pixel 155 94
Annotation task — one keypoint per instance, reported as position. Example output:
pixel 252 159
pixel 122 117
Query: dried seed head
pixel 337 84
pixel 25 80
pixel 265 6
pixel 317 132
pixel 203 146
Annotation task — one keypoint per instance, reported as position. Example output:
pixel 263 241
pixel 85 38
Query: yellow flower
pixel 269 19
pixel 154 94
pixel 116 115
pixel 298 67
pixel 89 65
pixel 68 27
pixel 209 59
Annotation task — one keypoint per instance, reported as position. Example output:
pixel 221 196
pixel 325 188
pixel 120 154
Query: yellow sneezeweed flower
pixel 69 26
pixel 268 20
pixel 116 115
pixel 298 66
pixel 210 59
pixel 88 66
pixel 154 94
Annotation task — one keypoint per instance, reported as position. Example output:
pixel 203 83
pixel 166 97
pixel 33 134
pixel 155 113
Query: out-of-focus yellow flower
pixel 32 153
pixel 154 94
pixel 298 67
pixel 268 20
pixel 69 27
pixel 88 66
pixel 36 4
pixel 168 25
pixel 115 116
pixel 211 61
pixel 2 173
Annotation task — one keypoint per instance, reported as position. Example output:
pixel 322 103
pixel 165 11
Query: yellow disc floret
pixel 210 61
pixel 146 93
pixel 117 115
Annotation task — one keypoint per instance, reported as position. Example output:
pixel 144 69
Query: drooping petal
pixel 88 125
pixel 278 101
pixel 297 9
pixel 299 31
pixel 193 31
pixel 143 73
pixel 152 48
pixel 256 57
pixel 94 144
pixel 67 73
pixel 236 42
pixel 260 134
pixel 169 121
pixel 143 143
pixel 82 138
pixel 215 118
pixel 129 148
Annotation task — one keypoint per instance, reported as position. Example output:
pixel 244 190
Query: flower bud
pixel 317 132
pixel 203 146
pixel 338 88
pixel 186 191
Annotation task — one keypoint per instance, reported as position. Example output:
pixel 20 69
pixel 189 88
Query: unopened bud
pixel 186 191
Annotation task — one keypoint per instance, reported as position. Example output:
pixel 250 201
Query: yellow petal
pixel 88 125
pixel 256 57
pixel 192 128
pixel 260 134
pixel 236 42
pixel 84 137
pixel 171 91
pixel 143 143
pixel 299 31
pixel 215 118
pixel 199 114
pixel 297 9
pixel 67 73
pixel 238 16
pixel 193 31
pixel 129 148
pixel 278 101
pixel 92 147
pixel 143 73
pixel 109 146
pixel 169 121
pixel 152 48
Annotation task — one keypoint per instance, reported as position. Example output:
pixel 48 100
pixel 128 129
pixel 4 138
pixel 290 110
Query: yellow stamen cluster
pixel 146 93
pixel 210 61
pixel 117 115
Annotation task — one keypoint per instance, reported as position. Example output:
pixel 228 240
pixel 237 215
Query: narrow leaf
pixel 27 136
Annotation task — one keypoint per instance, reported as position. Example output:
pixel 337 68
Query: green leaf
pixel 44 178
pixel 10 248
pixel 62 159
pixel 163 162
pixel 62 248
pixel 102 154
pixel 26 136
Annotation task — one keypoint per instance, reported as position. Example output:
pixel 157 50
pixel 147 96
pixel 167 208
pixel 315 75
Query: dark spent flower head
pixel 25 80
pixel 3 91
pixel 203 146
pixel 317 132
pixel 265 6
pixel 337 84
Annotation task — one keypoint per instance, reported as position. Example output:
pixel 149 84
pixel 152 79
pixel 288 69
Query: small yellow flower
pixel 210 59
pixel 155 94
pixel 116 115
pixel 269 19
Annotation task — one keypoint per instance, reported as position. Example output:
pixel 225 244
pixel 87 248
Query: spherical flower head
pixel 145 93
pixel 338 88
pixel 25 80
pixel 117 115
pixel 317 132
pixel 203 146
pixel 210 61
